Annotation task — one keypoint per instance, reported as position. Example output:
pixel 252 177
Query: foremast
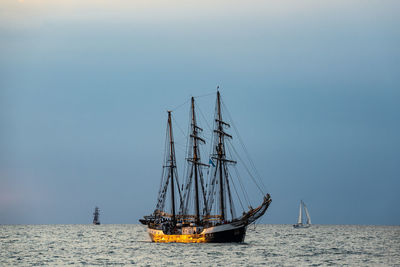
pixel 221 179
pixel 220 157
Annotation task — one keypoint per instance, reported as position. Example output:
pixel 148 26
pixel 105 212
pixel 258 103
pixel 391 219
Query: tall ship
pixel 203 208
pixel 300 219
pixel 96 216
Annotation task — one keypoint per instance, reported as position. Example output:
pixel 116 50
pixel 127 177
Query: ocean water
pixel 265 245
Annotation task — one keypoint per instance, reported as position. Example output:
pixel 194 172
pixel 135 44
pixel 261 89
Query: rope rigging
pixel 244 148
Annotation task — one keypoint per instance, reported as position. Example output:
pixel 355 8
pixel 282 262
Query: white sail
pixel 299 223
pixel 307 214
pixel 300 215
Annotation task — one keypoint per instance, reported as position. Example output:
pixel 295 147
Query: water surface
pixel 271 245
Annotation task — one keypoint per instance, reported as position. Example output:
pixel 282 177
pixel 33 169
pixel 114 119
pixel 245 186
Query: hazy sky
pixel 313 86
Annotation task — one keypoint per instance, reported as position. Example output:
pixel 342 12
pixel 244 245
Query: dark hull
pixel 228 236
pixel 209 235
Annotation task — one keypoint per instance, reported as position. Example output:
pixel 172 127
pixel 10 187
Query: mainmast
pixel 194 192
pixel 171 167
pixel 195 162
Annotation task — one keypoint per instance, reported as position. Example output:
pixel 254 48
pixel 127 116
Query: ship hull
pixel 301 225
pixel 217 234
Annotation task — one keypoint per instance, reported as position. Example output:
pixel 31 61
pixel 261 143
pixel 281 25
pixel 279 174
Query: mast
pixel 220 156
pixel 220 177
pixel 299 221
pixel 171 167
pixel 307 214
pixel 169 174
pixel 195 159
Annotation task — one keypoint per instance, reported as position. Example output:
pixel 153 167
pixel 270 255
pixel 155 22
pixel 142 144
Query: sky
pixel 313 87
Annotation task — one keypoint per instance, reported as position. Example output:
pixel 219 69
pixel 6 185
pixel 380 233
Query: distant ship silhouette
pixel 96 216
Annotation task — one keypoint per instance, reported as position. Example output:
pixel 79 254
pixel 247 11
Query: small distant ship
pixel 96 215
pixel 202 210
pixel 300 223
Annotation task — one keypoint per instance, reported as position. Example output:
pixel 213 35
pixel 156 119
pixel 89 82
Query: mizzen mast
pixel 169 175
pixel 171 167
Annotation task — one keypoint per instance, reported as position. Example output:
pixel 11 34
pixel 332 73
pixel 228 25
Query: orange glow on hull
pixel 160 237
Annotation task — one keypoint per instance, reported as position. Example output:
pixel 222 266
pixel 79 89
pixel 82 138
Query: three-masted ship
pixel 202 209
pixel 96 216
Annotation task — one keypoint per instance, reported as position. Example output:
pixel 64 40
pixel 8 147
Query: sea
pixel 265 245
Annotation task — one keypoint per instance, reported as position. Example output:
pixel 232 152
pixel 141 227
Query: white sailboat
pixel 300 223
